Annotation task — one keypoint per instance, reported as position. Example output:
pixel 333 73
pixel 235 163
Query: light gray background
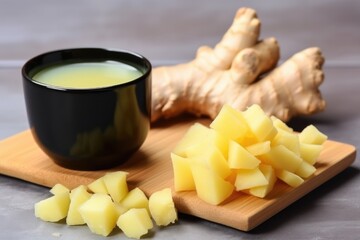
pixel 169 32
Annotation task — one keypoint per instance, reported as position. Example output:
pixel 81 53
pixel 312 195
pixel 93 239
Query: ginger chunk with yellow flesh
pixel 310 152
pixel 199 133
pixel 194 135
pixel 281 157
pixel 278 124
pixel 183 179
pixel 259 148
pixel 135 223
pixel 289 178
pixel 249 178
pixel 98 186
pixel 305 170
pixel 240 158
pixel 312 135
pixel 116 185
pixel 54 208
pixel 78 196
pixel 259 123
pixel 162 207
pixel 59 188
pixel 287 139
pixel 136 198
pixel 269 174
pixel 99 213
pixel 210 187
pixel 230 123
pixel 120 209
pixel 210 157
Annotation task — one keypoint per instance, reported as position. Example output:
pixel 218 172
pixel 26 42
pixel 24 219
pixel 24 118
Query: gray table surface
pixel 169 32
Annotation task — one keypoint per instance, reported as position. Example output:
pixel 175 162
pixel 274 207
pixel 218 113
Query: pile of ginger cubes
pixel 107 203
pixel 244 151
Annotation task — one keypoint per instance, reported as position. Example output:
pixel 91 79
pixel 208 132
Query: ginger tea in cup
pixel 84 75
pixel 88 108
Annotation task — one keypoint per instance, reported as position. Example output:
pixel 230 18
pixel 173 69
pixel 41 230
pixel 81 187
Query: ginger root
pixel 240 71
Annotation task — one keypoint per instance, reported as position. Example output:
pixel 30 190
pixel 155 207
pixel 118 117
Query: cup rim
pixel 32 62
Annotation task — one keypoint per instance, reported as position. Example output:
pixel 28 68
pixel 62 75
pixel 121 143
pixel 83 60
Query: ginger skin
pixel 240 71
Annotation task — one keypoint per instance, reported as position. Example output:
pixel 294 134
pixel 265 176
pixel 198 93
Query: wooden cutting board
pixel 151 170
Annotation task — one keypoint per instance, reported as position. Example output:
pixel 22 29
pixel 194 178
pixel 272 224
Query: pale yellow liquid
pixel 87 75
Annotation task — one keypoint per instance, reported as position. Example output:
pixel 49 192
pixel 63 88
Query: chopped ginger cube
pixel 287 139
pixel 260 124
pixel 136 198
pixel 278 124
pixel 54 208
pixel 99 213
pixel 210 187
pixel 312 135
pixel 249 178
pixel 281 157
pixel 240 158
pixel 162 207
pixel 120 209
pixel 262 191
pixel 259 148
pixel 78 196
pixel 183 179
pixel 289 178
pixel 211 157
pixel 310 152
pixel 59 188
pixel 116 185
pixel 98 186
pixel 135 223
pixel 199 133
pixel 230 123
pixel 305 170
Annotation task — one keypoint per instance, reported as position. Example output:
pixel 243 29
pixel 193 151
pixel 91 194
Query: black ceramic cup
pixel 88 129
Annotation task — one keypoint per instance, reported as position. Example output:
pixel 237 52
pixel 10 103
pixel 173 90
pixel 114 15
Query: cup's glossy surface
pixel 88 129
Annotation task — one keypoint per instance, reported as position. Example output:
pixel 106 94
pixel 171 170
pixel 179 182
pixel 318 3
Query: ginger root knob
pixel 240 70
